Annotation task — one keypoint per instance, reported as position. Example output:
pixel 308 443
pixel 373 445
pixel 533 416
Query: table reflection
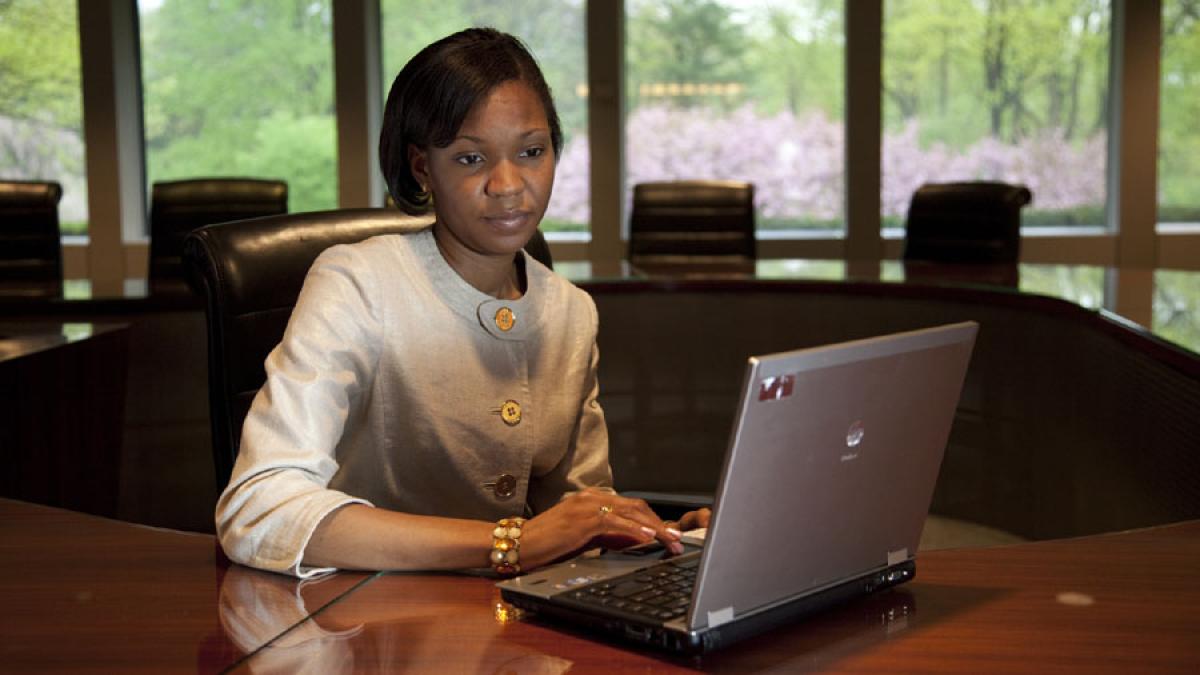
pixel 999 609
pixel 255 607
pixel 22 339
pixel 455 623
pixel 78 294
pixel 396 622
pixel 83 289
pixel 829 640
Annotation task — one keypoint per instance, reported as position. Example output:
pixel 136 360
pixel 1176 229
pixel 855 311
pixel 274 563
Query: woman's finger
pixel 640 511
pixel 648 527
pixel 645 515
pixel 625 517
pixel 612 522
pixel 689 521
pixel 695 519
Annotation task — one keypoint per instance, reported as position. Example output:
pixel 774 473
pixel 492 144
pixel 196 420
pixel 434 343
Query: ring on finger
pixel 605 510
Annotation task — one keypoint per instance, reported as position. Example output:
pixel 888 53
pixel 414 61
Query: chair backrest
pixel 539 249
pixel 970 222
pixel 692 221
pixel 30 248
pixel 250 273
pixel 180 206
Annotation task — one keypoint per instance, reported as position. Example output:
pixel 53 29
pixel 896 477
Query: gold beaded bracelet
pixel 506 546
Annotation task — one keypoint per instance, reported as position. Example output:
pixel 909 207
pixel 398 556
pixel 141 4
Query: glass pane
pixel 891 270
pixel 1007 90
pixel 783 268
pixel 1178 133
pixel 41 107
pixel 1081 284
pixel 553 30
pixel 241 88
pixel 747 90
pixel 1177 307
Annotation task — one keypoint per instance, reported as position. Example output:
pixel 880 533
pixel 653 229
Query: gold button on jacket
pixel 510 412
pixel 505 319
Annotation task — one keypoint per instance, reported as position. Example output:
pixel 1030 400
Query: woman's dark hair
pixel 436 90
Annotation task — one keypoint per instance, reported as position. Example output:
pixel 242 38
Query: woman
pixel 433 402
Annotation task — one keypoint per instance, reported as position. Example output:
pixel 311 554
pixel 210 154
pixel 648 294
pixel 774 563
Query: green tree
pixel 682 42
pixel 927 53
pixel 221 76
pixel 1179 135
pixel 1034 58
pixel 552 29
pixel 39 62
pixel 795 57
pixel 41 108
pixel 1007 69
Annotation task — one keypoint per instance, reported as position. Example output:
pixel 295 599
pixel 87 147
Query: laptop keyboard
pixel 658 593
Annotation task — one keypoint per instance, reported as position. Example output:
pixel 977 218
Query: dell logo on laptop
pixel 854 435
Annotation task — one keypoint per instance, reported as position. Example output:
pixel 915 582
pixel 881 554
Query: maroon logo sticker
pixel 776 388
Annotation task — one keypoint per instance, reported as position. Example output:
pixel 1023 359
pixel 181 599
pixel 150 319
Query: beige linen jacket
pixel 387 390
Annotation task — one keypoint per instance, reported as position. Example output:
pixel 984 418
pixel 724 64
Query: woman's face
pixel 492 183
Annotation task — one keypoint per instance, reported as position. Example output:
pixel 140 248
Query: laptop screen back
pixel 831 467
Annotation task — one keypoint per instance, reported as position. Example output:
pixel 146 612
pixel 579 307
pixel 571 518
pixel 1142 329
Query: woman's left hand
pixel 693 520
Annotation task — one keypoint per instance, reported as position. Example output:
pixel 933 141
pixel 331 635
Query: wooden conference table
pixel 87 594
pixel 62 401
pixel 1112 450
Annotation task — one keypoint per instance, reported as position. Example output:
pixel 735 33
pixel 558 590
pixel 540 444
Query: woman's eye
pixel 536 151
pixel 469 159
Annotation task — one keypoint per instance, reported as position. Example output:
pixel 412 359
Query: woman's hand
pixel 591 516
pixel 694 519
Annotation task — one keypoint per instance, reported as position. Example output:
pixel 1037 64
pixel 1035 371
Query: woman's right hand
pixel 587 516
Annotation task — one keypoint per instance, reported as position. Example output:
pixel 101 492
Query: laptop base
pixel 694 643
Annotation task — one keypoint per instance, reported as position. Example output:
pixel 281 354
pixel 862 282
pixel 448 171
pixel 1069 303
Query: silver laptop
pixel 826 485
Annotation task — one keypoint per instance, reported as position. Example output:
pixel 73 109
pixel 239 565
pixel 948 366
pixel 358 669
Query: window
pixel 1176 307
pixel 1009 90
pixel 1178 133
pixel 740 90
pixel 241 88
pixel 1081 284
pixel 553 30
pixel 41 108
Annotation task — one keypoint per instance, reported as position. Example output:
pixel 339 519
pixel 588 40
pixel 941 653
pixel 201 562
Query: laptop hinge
pixel 720 616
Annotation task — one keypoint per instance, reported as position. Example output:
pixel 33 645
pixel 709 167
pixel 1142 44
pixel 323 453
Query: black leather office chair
pixel 178 207
pixel 971 222
pixel 539 249
pixel 30 248
pixel 250 273
pixel 693 221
